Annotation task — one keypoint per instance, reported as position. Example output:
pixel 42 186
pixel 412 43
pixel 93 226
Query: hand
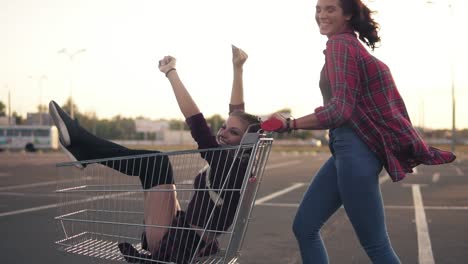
pixel 275 122
pixel 167 63
pixel 238 57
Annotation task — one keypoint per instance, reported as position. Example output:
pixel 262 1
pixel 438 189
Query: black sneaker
pixel 65 125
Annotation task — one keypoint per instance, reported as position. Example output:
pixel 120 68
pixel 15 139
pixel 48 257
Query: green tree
pixel 215 122
pixel 18 118
pixel 42 108
pixel 286 111
pixel 175 124
pixel 88 121
pixel 67 107
pixel 2 109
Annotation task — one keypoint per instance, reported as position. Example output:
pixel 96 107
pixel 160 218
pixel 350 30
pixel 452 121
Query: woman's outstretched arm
pixel 187 106
pixel 237 93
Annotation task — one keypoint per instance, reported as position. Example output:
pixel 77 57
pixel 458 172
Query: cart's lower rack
pixel 104 246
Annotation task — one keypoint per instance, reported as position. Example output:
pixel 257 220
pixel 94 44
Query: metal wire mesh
pixel 102 205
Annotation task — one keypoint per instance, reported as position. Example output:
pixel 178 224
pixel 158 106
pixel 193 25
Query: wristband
pixel 171 69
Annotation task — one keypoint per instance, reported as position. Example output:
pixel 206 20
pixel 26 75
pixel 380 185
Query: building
pixel 5 121
pixel 43 119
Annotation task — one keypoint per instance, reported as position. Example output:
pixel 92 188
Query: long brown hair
pixel 362 22
pixel 252 121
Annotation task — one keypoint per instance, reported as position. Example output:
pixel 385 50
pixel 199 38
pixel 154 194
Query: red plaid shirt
pixel 365 97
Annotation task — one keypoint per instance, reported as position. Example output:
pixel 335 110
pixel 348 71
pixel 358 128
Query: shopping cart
pixel 100 207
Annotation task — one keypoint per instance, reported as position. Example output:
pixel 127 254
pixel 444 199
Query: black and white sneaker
pixel 65 125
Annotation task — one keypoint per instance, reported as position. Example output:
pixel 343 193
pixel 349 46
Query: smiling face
pixel 330 18
pixel 231 132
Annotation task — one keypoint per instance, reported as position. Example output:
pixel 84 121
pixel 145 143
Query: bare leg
pixel 160 208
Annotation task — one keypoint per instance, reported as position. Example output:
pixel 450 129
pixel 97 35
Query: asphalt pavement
pixel 426 213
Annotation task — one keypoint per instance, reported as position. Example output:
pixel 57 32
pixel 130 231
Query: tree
pixel 215 122
pixel 18 118
pixel 42 108
pixel 67 107
pixel 285 111
pixel 176 124
pixel 2 109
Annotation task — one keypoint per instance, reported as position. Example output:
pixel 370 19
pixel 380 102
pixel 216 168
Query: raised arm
pixel 237 93
pixel 186 104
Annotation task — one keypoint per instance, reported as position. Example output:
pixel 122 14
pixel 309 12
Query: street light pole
pixel 70 57
pixel 39 81
pixel 452 73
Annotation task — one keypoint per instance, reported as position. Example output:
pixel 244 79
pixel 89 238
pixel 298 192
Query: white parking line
pixel 387 207
pixel 384 178
pixel 459 171
pixel 279 193
pixel 33 209
pixel 39 208
pixel 424 242
pixel 38 184
pixel 283 164
pixel 426 208
pixel 435 177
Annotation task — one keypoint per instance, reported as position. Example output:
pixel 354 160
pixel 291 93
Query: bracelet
pixel 294 124
pixel 171 69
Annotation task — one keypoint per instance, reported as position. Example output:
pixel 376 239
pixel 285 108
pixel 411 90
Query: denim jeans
pixel 348 178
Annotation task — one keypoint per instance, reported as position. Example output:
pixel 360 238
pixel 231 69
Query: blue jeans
pixel 348 178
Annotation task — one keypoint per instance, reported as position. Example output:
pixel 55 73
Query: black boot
pixel 68 132
pixel 132 255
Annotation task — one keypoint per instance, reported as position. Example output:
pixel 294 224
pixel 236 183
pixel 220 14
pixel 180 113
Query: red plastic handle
pixel 272 124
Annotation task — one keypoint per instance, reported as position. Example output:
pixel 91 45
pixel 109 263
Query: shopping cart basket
pixel 101 207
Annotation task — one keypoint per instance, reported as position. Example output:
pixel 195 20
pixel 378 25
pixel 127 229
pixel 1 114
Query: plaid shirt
pixel 365 97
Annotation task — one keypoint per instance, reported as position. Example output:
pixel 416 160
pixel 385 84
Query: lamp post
pixel 452 76
pixel 39 82
pixel 71 56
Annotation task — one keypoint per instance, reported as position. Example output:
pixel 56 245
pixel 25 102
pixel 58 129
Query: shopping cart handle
pixel 272 124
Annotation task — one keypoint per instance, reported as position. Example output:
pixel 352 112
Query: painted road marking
pixel 44 207
pixel 278 165
pixel 38 184
pixel 387 207
pixel 384 178
pixel 435 177
pixel 424 242
pixel 459 171
pixel 279 193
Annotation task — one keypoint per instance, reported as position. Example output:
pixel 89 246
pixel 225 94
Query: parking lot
pixel 426 213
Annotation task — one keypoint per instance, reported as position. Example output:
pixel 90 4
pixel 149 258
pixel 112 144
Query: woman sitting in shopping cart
pixel 181 242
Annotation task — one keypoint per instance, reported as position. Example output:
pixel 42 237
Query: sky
pixel 123 40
